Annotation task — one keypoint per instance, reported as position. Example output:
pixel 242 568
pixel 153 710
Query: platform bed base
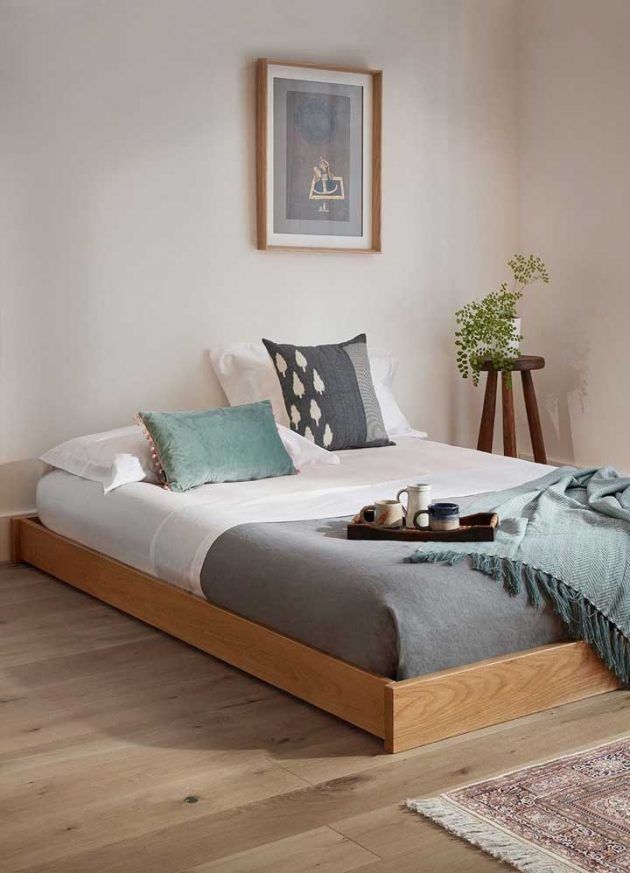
pixel 404 714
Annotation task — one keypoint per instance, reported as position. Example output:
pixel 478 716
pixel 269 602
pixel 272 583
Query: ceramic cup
pixel 387 513
pixel 417 509
pixel 444 516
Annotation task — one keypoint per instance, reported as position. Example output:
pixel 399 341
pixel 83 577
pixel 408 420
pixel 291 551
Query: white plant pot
pixel 514 348
pixel 516 345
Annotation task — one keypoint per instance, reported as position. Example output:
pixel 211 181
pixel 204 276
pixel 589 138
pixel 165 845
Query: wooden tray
pixel 478 528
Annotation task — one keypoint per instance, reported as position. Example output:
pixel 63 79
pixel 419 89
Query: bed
pixel 261 575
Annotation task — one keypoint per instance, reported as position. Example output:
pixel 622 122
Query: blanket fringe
pixel 498 843
pixel 583 620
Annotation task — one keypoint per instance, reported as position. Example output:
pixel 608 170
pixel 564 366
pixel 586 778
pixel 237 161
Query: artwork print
pixel 318 157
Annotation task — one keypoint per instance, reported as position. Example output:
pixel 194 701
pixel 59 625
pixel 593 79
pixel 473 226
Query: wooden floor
pixel 125 751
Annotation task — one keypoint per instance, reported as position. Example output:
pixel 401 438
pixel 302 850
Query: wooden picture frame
pixel 405 714
pixel 318 175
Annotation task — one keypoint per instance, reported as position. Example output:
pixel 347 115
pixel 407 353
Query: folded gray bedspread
pixel 358 600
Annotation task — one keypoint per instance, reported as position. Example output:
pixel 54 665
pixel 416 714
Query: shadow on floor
pixel 100 668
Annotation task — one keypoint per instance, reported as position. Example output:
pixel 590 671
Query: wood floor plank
pixel 321 850
pixel 406 841
pixel 27 641
pixel 137 706
pixel 129 800
pixel 384 831
pixel 440 853
pixel 124 751
pixel 13 576
pixel 136 653
pixel 27 590
pixel 256 824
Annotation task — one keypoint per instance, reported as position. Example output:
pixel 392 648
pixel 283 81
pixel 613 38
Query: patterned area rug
pixel 569 814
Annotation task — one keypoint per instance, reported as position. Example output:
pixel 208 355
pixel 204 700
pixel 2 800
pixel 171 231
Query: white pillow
pixel 246 374
pixel 113 458
pixel 302 451
pixel 122 456
pixel 383 369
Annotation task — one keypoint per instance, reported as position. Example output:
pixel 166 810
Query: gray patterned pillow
pixel 329 394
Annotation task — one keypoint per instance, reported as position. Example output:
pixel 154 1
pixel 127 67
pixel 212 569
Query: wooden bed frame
pixel 404 714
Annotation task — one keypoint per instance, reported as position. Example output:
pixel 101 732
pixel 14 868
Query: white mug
pixel 387 513
pixel 418 500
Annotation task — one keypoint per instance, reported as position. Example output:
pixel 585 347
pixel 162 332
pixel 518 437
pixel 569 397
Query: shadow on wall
pixel 465 401
pixel 562 387
pixel 17 496
pixel 17 484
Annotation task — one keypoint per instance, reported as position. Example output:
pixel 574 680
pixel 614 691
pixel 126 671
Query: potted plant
pixel 489 329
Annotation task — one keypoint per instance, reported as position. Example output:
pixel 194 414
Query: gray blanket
pixel 360 601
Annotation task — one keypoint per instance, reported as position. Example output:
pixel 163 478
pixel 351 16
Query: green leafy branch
pixel 485 328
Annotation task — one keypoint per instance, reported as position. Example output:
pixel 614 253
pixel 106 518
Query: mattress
pixel 168 535
pixel 275 551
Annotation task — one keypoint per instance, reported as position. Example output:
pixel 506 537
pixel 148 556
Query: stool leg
pixel 533 418
pixel 486 428
pixel 507 402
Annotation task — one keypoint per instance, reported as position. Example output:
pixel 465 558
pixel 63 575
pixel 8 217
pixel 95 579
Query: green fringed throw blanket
pixel 566 537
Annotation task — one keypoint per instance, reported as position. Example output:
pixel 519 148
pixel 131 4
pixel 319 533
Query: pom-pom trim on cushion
pixel 158 466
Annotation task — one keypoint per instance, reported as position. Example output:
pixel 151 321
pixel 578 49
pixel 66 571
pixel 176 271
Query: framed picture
pixel 318 157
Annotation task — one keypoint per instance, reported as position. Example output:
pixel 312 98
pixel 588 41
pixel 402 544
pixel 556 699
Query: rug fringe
pixel 484 835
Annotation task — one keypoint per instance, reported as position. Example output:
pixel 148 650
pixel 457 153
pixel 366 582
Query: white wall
pixel 575 209
pixel 130 239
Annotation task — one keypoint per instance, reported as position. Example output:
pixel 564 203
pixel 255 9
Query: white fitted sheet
pixel 168 535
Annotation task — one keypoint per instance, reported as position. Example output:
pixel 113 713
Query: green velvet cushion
pixel 217 445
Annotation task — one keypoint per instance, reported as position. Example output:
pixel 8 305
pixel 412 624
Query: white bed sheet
pixel 168 535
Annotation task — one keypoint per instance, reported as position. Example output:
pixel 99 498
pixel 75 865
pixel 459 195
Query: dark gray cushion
pixel 329 394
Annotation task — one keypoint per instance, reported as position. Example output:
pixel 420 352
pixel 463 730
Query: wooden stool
pixel 524 364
